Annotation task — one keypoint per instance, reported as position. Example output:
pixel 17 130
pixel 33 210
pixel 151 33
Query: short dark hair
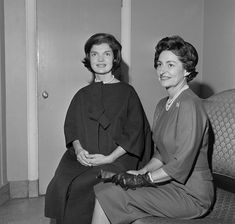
pixel 185 51
pixel 100 38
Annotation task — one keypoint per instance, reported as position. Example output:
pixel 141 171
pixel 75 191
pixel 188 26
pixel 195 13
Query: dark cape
pixel 102 117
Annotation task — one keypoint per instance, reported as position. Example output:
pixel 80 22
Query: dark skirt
pixel 70 196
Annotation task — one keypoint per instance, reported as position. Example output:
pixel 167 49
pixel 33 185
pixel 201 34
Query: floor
pixel 23 211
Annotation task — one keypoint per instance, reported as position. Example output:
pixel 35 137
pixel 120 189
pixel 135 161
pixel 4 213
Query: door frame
pixel 32 111
pixel 32 64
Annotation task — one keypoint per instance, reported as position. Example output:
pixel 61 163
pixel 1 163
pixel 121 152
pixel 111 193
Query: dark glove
pixel 105 176
pixel 131 181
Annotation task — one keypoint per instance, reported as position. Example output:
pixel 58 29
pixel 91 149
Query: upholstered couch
pixel 221 111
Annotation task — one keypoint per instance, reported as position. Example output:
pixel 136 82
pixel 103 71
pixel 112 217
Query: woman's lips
pixel 164 77
pixel 101 65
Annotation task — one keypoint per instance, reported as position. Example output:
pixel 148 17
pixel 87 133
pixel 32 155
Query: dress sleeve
pixel 73 128
pixel 134 137
pixel 158 110
pixel 190 128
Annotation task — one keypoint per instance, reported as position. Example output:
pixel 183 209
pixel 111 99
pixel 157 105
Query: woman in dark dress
pixel 177 181
pixel 105 128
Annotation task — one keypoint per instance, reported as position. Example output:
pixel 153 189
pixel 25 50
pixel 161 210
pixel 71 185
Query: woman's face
pixel 101 58
pixel 170 71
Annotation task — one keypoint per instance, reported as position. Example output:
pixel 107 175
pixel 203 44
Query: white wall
pixel 219 46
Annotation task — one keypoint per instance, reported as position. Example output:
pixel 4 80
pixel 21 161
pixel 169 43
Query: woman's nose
pixel 100 58
pixel 161 69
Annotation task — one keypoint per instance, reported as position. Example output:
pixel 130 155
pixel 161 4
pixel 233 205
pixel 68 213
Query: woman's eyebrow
pixel 171 61
pixel 98 51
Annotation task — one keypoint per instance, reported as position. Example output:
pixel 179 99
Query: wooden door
pixel 63 27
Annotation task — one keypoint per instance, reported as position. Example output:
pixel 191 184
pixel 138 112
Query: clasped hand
pixel 127 180
pixel 87 159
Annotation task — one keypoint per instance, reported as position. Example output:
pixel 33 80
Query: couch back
pixel 221 111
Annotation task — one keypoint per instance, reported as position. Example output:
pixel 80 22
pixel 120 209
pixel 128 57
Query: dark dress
pixel 102 117
pixel 181 139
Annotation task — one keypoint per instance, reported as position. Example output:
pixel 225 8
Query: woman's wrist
pixel 143 170
pixel 77 147
pixel 150 177
pixel 119 151
pixel 110 158
pixel 78 150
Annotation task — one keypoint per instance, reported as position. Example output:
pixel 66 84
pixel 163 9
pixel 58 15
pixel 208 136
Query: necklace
pixel 105 82
pixel 169 102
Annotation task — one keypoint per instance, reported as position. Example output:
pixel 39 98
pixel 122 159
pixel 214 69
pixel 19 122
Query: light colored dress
pixel 181 142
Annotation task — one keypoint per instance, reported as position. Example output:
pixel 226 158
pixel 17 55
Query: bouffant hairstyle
pixel 101 38
pixel 185 51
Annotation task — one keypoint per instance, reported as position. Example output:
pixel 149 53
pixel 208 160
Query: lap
pixel 164 201
pixel 83 183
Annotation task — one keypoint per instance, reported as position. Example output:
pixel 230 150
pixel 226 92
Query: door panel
pixel 63 27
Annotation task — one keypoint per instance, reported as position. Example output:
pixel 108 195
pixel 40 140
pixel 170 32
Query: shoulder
pixel 88 88
pixel 188 94
pixel 190 105
pixel 161 103
pixel 160 106
pixel 126 86
pixel 188 99
pixel 128 89
pixel 81 93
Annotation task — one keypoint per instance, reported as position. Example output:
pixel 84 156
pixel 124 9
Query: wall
pixel 219 46
pixel 152 20
pixel 185 17
pixel 16 92
pixel 4 190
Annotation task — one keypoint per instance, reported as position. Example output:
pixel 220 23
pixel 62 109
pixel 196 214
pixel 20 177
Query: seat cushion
pixel 223 213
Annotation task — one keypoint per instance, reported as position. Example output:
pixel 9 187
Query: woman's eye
pixel 170 65
pixel 93 54
pixel 108 54
pixel 158 65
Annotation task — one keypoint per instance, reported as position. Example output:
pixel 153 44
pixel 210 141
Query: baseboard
pixel 4 193
pixel 23 189
pixel 33 188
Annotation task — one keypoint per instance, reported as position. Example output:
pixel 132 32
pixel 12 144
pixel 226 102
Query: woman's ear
pixel 186 73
